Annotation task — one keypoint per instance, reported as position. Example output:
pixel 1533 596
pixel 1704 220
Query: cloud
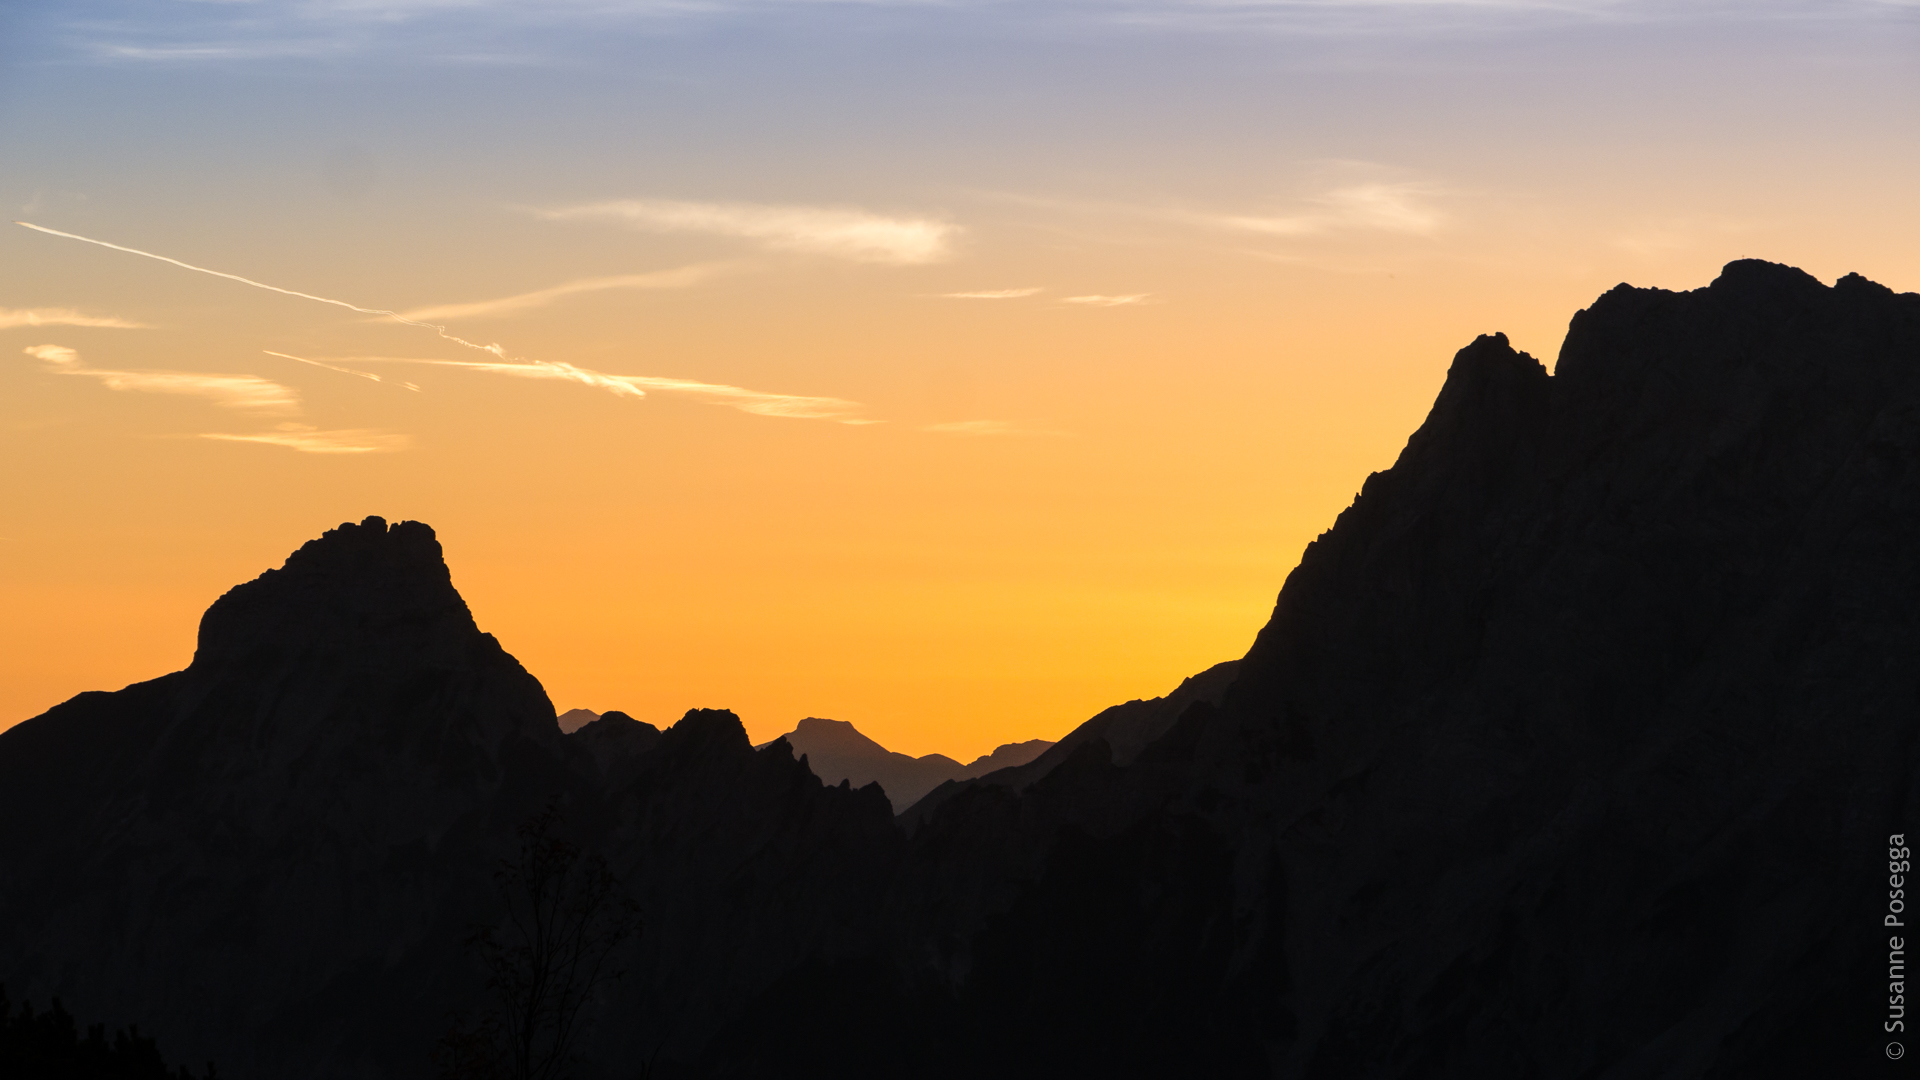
pixel 985 427
pixel 511 305
pixel 1106 301
pixel 341 370
pixel 814 230
pixel 1395 208
pixel 309 440
pixel 991 294
pixel 250 393
pixel 12 317
pixel 753 401
pixel 394 315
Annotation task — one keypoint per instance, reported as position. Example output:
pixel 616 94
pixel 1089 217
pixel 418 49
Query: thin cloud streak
pixel 1394 208
pixel 837 232
pixel 246 392
pixel 680 278
pixel 991 294
pixel 13 317
pixel 759 403
pixel 1106 301
pixel 753 401
pixel 394 315
pixel 309 440
pixel 341 370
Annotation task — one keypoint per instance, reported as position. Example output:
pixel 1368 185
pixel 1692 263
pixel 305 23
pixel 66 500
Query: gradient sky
pixel 954 369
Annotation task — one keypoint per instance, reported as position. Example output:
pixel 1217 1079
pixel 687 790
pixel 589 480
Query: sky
pixel 954 369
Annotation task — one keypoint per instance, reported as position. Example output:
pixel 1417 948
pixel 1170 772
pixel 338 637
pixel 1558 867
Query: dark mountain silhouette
pixel 836 751
pixel 1127 729
pixel 275 855
pixel 614 738
pixel 1571 750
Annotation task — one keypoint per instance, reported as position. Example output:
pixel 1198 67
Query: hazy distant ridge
pixel 837 751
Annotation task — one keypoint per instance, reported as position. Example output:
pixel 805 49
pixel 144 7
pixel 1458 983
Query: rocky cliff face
pixel 1571 750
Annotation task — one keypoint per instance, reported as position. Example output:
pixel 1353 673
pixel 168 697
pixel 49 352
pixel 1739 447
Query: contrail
pixel 394 315
pixel 341 370
pixel 753 401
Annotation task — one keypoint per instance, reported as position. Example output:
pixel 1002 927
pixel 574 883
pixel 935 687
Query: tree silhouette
pixel 566 914
pixel 49 1044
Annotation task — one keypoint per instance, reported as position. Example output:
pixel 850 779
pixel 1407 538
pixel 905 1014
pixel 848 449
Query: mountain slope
pixel 1126 729
pixel 275 855
pixel 1572 749
pixel 836 751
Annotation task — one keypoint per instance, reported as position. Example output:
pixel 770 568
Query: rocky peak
pixel 367 583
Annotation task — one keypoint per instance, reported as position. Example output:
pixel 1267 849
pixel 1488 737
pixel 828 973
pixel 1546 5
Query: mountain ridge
pixel 1571 749
pixel 836 751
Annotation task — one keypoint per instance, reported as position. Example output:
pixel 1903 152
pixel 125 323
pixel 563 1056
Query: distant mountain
pixel 1582 745
pixel 836 751
pixel 574 719
pixel 1126 729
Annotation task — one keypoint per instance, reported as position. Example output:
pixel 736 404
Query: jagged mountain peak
pixel 351 582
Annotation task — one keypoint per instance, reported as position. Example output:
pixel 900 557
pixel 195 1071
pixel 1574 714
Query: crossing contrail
pixel 752 401
pixel 394 315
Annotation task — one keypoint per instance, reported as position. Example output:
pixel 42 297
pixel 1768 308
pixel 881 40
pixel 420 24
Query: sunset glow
pixel 953 370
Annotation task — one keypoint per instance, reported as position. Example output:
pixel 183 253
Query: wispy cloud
pixel 984 428
pixel 753 401
pixel 838 232
pixel 757 402
pixel 680 278
pixel 394 315
pixel 13 317
pixel 991 294
pixel 1393 208
pixel 249 393
pixel 1106 301
pixel 310 440
pixel 341 370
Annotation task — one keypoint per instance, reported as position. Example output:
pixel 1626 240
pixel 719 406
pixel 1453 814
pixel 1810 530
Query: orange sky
pixel 1231 273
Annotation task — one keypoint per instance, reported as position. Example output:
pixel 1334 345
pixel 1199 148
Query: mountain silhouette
pixel 835 751
pixel 1126 729
pixel 1574 748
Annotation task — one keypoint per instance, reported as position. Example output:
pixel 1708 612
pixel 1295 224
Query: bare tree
pixel 565 916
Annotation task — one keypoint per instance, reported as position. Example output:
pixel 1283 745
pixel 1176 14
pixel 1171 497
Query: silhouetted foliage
pixel 565 916
pixel 48 1046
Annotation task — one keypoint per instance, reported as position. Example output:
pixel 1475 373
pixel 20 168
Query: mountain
pixel 836 751
pixel 574 719
pixel 273 858
pixel 1126 728
pixel 273 840
pixel 1582 745
pixel 1574 748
